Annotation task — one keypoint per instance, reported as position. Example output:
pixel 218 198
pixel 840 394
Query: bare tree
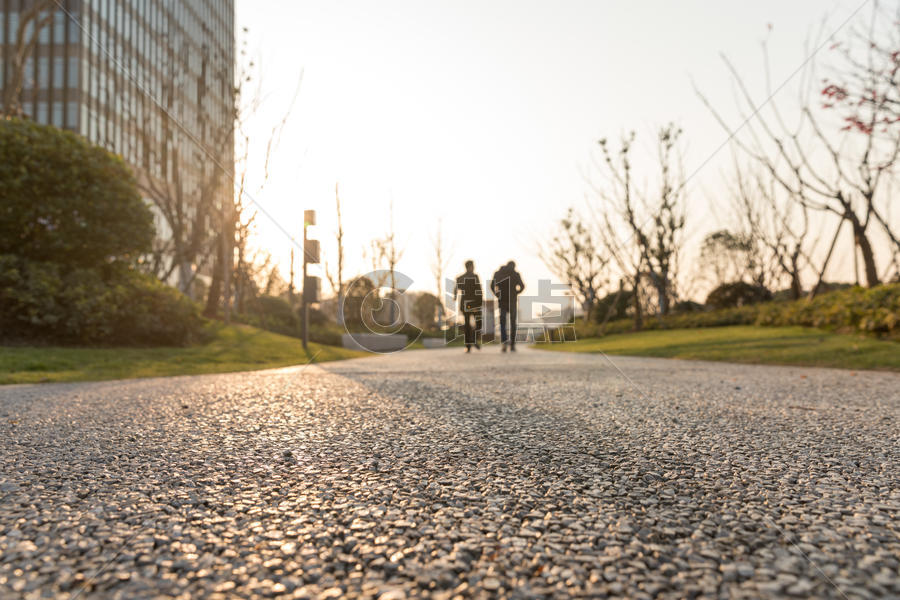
pixel 392 255
pixel 851 182
pixel 32 19
pixel 440 261
pixel 244 220
pixel 337 281
pixel 575 255
pixel 255 276
pixel 383 255
pixel 729 255
pixel 654 222
pixel 778 228
pixel 181 175
pixel 864 85
pixel 236 216
pixel 373 306
pixel 863 89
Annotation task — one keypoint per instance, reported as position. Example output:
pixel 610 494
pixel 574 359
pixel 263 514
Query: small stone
pixel 491 584
pixel 802 587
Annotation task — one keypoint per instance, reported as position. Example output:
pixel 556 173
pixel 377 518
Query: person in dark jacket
pixel 471 298
pixel 507 285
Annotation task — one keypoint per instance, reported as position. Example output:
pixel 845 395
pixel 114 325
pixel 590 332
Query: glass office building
pixel 151 80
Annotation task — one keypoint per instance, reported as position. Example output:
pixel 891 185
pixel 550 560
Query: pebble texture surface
pixel 439 474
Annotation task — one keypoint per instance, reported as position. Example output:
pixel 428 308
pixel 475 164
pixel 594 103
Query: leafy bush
pixel 277 309
pixel 425 310
pixel 316 316
pixel 863 310
pixel 67 201
pixel 745 315
pixel 874 311
pixel 72 224
pixel 275 314
pixel 271 313
pixel 738 293
pixel 688 306
pixel 112 304
pixel 617 302
pixel 326 334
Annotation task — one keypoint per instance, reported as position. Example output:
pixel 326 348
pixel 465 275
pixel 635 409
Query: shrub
pixel 271 313
pixel 618 302
pixel 326 334
pixel 874 311
pixel 316 316
pixel 687 306
pixel 66 201
pixel 274 313
pixel 862 310
pixel 739 293
pixel 425 310
pixel 112 304
pixel 72 224
pixel 276 309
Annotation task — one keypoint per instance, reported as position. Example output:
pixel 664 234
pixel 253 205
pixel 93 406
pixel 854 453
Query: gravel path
pixel 433 473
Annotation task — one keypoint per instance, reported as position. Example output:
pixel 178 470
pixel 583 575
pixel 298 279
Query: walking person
pixel 507 285
pixel 471 299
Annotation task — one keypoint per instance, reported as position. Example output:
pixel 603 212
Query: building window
pixel 44 33
pixel 28 78
pixel 41 116
pixel 75 30
pixel 44 72
pixel 59 27
pixel 58 114
pixel 58 72
pixel 73 72
pixel 72 115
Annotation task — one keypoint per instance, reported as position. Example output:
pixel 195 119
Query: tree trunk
pixel 239 283
pixel 340 308
pixel 227 271
pixel 185 279
pixel 796 288
pixel 636 296
pixel 662 290
pixel 215 291
pixel 821 279
pixel 865 249
pixel 587 307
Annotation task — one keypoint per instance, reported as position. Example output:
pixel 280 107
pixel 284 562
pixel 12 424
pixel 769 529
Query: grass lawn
pixel 747 344
pixel 233 348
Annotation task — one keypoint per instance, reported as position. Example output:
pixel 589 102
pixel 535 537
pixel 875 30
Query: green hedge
pixel 863 310
pixel 72 225
pixel 113 304
pixel 874 311
pixel 65 200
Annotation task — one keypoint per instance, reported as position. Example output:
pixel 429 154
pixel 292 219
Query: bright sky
pixel 482 113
